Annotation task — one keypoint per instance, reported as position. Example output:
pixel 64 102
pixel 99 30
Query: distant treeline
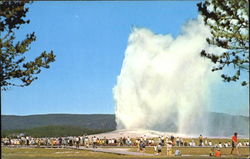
pixel 52 131
pixel 89 121
pixel 218 124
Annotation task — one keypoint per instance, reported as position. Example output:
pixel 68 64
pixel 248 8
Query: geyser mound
pixel 163 81
pixel 137 133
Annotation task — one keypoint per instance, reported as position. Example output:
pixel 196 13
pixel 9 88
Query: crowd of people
pixel 122 141
pixel 140 143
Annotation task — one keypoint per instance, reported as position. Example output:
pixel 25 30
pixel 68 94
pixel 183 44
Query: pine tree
pixel 15 71
pixel 229 25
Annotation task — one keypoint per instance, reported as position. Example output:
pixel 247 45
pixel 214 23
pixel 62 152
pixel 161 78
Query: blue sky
pixel 89 40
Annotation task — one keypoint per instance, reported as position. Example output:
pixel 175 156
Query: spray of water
pixel 163 81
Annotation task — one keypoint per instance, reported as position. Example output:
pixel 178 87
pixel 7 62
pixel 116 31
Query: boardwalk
pixel 120 151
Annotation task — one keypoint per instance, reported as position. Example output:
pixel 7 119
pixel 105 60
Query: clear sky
pixel 89 40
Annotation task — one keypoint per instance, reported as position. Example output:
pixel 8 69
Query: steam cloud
pixel 163 81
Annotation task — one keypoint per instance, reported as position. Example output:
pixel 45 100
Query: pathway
pixel 120 151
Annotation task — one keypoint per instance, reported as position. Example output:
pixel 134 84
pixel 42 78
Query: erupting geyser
pixel 163 81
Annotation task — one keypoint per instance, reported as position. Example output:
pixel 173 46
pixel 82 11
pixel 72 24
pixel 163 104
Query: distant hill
pixel 90 121
pixel 219 124
pixel 52 131
pixel 224 124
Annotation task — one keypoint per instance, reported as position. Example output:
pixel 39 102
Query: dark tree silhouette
pixel 14 70
pixel 229 25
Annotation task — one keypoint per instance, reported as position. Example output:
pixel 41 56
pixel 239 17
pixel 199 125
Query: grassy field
pixel 48 153
pixel 198 151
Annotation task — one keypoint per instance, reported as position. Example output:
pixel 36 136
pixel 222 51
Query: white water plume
pixel 163 83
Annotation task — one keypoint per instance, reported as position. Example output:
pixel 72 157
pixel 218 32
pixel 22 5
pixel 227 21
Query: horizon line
pixel 103 114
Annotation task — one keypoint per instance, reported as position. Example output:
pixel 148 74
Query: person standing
pixel 206 142
pixel 106 141
pixel 94 139
pixel 200 140
pixel 234 143
pixel 158 149
pixel 162 140
pixel 77 142
pixel 145 140
pixel 141 146
pixel 137 141
pixel 86 142
pixel 178 142
pixel 60 141
pixel 172 140
pixel 169 147
pixel 128 141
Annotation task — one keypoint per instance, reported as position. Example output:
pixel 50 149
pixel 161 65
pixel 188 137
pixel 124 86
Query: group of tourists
pixel 215 151
pixel 140 143
pixel 169 143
